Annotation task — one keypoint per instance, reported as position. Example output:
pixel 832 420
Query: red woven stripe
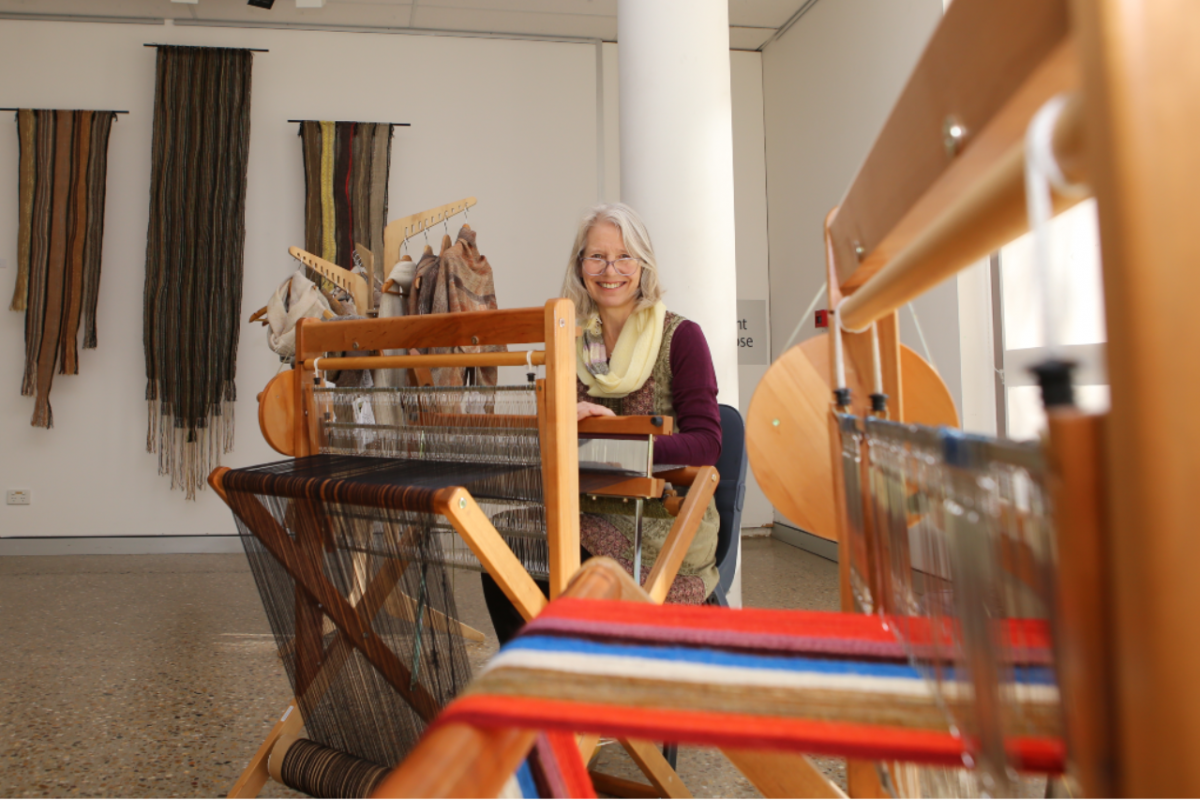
pixel 570 764
pixel 764 621
pixel 872 742
pixel 818 631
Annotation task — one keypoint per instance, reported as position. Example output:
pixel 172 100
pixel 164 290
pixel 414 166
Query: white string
pixel 878 362
pixel 807 312
pixel 1041 172
pixel 529 360
pixel 921 334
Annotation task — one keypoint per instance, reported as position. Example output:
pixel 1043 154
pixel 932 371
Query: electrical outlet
pixel 19 497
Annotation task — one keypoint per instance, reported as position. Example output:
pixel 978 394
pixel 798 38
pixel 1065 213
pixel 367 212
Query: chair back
pixel 730 497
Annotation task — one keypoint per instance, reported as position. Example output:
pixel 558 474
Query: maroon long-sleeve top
pixel 697 438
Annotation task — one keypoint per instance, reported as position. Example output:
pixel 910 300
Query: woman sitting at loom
pixel 635 357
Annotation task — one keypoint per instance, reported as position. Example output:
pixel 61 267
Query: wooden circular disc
pixel 789 429
pixel 276 412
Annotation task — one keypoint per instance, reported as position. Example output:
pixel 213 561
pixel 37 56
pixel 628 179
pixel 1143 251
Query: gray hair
pixel 637 242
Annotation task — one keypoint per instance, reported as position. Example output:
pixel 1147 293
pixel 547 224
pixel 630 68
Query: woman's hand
pixel 586 409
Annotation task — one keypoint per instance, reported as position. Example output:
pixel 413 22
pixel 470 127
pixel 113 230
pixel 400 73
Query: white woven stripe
pixel 710 674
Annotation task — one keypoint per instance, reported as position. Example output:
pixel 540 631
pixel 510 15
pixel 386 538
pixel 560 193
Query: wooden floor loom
pixel 349 541
pixel 1041 589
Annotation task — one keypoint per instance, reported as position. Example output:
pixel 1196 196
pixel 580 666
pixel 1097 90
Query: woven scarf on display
pixel 456 280
pixel 61 185
pixel 803 681
pixel 346 167
pixel 194 250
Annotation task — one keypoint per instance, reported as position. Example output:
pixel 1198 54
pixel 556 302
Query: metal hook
pixel 446 224
pixel 467 212
pixel 425 232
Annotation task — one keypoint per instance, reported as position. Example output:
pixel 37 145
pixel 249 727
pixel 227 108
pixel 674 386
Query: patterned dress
pixel 607 524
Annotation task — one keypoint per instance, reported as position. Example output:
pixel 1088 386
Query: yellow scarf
pixel 632 359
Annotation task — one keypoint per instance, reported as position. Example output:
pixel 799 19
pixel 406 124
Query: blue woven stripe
pixel 724 658
pixel 525 781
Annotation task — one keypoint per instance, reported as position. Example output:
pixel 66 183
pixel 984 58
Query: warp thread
pixel 194 257
pixel 63 166
pixel 322 772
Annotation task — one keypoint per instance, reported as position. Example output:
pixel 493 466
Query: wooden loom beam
pixel 560 437
pixel 980 68
pixel 1141 80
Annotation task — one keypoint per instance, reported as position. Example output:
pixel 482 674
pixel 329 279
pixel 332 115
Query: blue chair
pixel 730 497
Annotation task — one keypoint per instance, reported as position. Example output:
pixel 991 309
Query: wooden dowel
pixel 428 361
pixel 987 217
pixel 344 121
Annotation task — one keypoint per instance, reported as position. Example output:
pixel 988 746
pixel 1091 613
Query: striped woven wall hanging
pixel 194 250
pixel 346 166
pixel 61 185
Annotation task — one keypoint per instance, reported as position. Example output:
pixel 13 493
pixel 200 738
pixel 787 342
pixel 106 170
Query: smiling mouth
pixel 610 285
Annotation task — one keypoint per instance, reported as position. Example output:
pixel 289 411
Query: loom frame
pixel 1127 603
pixel 289 421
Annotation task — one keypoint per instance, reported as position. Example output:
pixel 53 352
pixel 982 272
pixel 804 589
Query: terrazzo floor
pixel 156 675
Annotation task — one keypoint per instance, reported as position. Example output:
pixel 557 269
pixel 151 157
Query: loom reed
pixel 951 545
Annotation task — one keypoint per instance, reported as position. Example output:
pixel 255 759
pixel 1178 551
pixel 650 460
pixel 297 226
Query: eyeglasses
pixel 598 266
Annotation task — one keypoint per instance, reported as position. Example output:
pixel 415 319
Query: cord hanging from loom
pixel 1042 171
pixel 841 391
pixel 878 398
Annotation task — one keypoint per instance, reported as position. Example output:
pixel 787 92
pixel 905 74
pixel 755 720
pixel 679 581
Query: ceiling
pixel 752 23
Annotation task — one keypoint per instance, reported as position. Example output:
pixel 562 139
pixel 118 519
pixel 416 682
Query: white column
pixel 677 159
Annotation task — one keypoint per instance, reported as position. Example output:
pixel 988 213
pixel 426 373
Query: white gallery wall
pixel 511 122
pixel 829 83
pixel 523 125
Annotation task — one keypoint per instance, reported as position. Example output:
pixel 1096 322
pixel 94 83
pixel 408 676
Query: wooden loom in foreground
pixel 348 541
pixel 1104 556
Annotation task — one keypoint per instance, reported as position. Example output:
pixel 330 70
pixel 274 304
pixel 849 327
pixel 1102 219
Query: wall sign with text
pixel 753 347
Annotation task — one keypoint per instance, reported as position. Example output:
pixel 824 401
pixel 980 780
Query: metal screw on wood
pixel 954 135
pixel 562 323
pixel 355 346
pixel 860 251
pixel 775 422
pixel 462 502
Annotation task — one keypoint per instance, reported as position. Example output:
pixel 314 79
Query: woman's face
pixel 610 290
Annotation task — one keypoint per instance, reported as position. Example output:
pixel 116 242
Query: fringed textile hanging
pixel 61 186
pixel 194 250
pixel 346 167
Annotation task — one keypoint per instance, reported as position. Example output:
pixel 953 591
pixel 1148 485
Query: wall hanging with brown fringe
pixel 194 249
pixel 61 183
pixel 346 166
